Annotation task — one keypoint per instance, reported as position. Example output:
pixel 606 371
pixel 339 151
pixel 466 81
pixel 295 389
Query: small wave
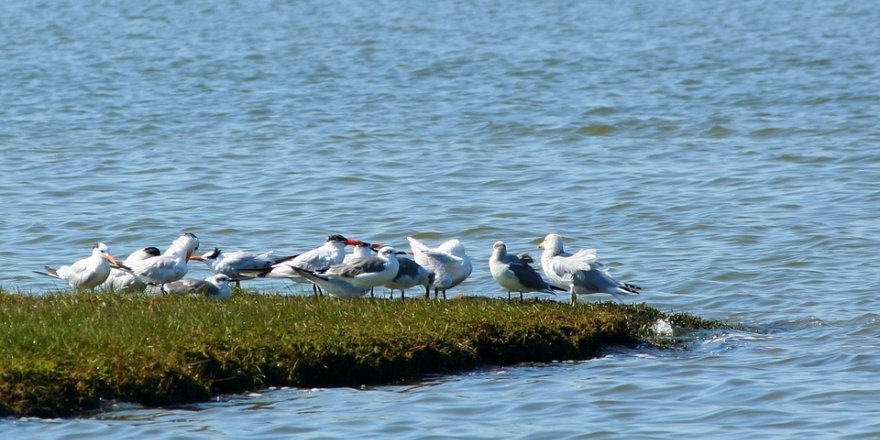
pixel 596 130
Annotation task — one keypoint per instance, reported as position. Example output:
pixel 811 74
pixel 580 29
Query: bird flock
pixel 329 269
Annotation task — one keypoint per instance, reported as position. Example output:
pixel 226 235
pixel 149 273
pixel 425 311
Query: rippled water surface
pixel 722 155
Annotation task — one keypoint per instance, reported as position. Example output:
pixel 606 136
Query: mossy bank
pixel 64 354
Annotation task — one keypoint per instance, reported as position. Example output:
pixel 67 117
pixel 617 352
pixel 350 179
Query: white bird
pixel 171 265
pixel 337 287
pixel 215 287
pixel 88 272
pixel 239 265
pixel 580 272
pixel 514 273
pixel 410 274
pixel 124 280
pixel 367 272
pixel 360 250
pixel 332 252
pixel 355 278
pixel 449 263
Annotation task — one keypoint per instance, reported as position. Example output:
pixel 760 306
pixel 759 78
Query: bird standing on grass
pixel 330 253
pixel 449 262
pixel 171 265
pixel 357 277
pixel 410 274
pixel 515 274
pixel 240 265
pixel 580 272
pixel 88 272
pixel 122 280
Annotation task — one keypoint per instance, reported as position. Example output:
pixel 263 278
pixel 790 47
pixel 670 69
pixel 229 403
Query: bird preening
pixel 332 271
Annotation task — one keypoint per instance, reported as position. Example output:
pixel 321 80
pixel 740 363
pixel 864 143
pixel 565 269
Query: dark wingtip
pixel 213 255
pixel 632 288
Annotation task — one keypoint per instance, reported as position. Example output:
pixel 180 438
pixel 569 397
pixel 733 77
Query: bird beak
pixel 376 245
pixel 115 263
pixel 350 242
pixel 191 257
pixel 400 253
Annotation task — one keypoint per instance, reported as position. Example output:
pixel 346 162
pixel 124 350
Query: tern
pixel 88 272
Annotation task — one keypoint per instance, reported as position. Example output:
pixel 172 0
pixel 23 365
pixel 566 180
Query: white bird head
pixel 499 250
pixel 552 243
pixel 387 252
pixel 185 244
pixel 219 279
pixel 337 238
pixel 453 247
pixel 103 251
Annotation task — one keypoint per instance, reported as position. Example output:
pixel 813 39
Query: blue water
pixel 723 156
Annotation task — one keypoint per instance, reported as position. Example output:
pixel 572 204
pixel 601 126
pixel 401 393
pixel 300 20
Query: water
pixel 723 156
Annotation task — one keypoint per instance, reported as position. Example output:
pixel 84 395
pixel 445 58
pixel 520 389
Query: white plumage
pixel 171 265
pixel 88 272
pixel 124 280
pixel 580 272
pixel 449 263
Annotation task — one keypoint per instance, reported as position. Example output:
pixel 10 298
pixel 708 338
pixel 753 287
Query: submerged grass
pixel 64 354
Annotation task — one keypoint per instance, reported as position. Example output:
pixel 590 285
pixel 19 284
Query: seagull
pixel 367 272
pixel 171 265
pixel 332 252
pixel 514 273
pixel 449 262
pixel 580 272
pixel 88 272
pixel 410 274
pixel 123 280
pixel 215 287
pixel 360 250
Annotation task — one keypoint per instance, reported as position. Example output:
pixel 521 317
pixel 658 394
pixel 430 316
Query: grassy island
pixel 64 354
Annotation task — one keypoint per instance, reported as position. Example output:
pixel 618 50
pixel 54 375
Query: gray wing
pixel 528 277
pixel 250 262
pixel 407 268
pixel 243 266
pixel 186 286
pixel 357 267
pixel 597 280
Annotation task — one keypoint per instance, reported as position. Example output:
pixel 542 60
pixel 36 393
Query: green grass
pixel 64 354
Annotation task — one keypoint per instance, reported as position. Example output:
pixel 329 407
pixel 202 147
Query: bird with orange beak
pixel 88 272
